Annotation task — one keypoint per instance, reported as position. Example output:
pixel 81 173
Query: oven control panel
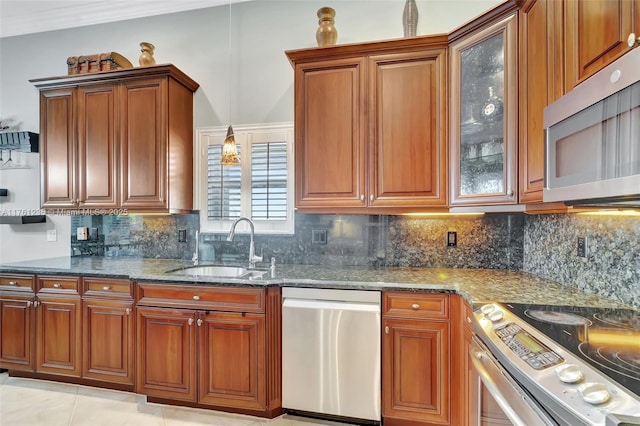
pixel 527 347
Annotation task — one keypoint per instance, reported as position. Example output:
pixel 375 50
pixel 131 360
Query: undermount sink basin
pixel 219 271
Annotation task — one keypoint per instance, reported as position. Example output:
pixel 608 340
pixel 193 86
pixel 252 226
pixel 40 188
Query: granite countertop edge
pixel 474 285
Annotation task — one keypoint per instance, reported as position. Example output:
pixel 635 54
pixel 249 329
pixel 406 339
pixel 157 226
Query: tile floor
pixel 28 402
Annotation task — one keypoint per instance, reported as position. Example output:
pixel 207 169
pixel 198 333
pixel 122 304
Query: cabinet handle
pixel 106 288
pixel 510 192
pixel 29 303
pixel 632 40
pixel 128 311
pixel 196 297
pixel 415 306
pixel 386 329
pixel 371 197
pixel 190 321
pixel 469 320
pixel 56 285
pixel 13 283
pixel 35 303
pixel 361 197
pixel 199 322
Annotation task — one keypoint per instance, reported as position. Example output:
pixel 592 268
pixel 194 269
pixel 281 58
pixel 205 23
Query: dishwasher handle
pixel 332 305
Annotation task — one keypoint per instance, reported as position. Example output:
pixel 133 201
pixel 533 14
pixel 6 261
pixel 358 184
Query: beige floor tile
pixel 183 416
pixel 36 403
pixel 3 378
pixel 100 407
pixel 289 420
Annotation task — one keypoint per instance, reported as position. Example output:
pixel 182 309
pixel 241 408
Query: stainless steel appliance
pixel 331 352
pixel 592 147
pixel 573 366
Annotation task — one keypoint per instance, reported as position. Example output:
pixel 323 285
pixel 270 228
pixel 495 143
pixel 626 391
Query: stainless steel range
pixel 573 365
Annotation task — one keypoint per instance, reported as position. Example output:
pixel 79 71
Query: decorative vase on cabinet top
pixel 326 34
pixel 146 57
pixel 410 18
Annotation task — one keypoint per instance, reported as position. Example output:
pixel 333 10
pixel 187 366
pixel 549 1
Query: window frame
pixel 245 136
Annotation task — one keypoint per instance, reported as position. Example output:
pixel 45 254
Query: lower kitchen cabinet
pixel 17 322
pixel 108 336
pixel 210 346
pixel 58 326
pixel 416 345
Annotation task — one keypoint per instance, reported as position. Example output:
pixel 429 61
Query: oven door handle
pixel 480 355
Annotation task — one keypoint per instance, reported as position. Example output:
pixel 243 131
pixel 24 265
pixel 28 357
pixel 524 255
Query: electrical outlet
pixel 82 234
pixel 452 239
pixel 52 235
pixel 318 236
pixel 583 249
pixel 182 235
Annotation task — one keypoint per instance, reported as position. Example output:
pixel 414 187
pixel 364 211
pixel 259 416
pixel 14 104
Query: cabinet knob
pixel 632 40
pixel 35 303
pixel 480 355
pixel 56 285
pixel 128 311
pixel 190 321
pixel 415 306
pixel 106 288
pixel 469 320
pixel 510 192
pixel 361 197
pixel 371 197
pixel 386 329
pixel 29 303
pixel 196 297
pixel 13 283
pixel 199 322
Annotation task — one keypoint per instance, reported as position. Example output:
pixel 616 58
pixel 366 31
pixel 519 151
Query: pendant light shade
pixel 229 150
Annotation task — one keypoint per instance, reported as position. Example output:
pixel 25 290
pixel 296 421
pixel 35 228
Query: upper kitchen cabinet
pixel 597 33
pixel 483 111
pixel 119 139
pixel 541 75
pixel 370 126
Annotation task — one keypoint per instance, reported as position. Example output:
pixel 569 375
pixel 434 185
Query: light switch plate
pixel 52 235
pixel 82 234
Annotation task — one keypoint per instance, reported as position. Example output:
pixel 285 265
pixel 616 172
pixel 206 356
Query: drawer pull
pixel 106 288
pixel 13 283
pixel 56 285
pixel 199 322
pixel 196 297
pixel 415 306
pixel 190 321
pixel 128 311
pixel 386 329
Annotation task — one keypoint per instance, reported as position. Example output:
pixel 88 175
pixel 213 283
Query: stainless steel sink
pixel 220 271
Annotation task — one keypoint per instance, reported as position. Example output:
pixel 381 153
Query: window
pixel 260 188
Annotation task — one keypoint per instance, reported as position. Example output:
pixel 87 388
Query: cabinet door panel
pixel 329 143
pixel 415 372
pixel 144 144
pixel 97 171
pixel 408 142
pixel 108 340
pixel 597 33
pixel 58 343
pixel 232 354
pixel 16 333
pixel 166 353
pixel 57 130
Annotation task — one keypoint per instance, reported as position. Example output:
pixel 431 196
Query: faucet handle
pixel 259 258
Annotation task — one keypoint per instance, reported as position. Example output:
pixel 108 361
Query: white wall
pixel 245 59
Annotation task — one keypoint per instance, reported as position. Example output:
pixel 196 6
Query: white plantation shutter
pixel 260 188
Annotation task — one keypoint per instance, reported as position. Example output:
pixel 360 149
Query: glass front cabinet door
pixel 483 119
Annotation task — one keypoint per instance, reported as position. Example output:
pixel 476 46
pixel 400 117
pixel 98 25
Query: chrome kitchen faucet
pixel 252 249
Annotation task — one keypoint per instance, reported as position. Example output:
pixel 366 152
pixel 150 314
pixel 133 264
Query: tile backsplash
pixel 544 245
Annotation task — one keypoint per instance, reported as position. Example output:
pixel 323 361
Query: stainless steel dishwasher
pixel 331 352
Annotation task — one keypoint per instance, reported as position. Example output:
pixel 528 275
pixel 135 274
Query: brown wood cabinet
pixel 118 139
pixel 210 346
pixel 58 326
pixel 597 33
pixel 108 335
pixel 369 124
pixel 416 367
pixel 17 322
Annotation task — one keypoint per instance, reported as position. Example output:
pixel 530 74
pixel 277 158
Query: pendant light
pixel 229 148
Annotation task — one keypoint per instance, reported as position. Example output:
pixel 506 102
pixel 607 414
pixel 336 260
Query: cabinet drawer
pixel 69 285
pixel 415 305
pixel 17 282
pixel 234 299
pixel 107 288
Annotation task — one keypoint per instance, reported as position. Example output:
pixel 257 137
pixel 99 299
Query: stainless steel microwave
pixel 592 139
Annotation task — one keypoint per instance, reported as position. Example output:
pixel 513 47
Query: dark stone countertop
pixel 474 285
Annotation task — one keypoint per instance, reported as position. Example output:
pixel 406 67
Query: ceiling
pixel 18 17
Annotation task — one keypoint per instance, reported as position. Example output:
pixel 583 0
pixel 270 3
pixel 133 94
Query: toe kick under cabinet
pixel 210 346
